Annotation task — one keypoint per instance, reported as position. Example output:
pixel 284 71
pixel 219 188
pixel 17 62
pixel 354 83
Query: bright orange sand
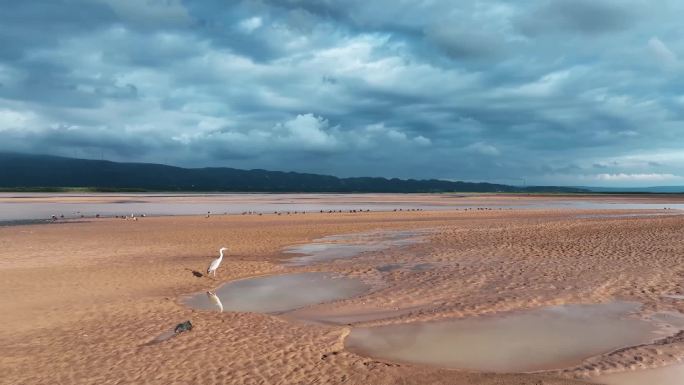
pixel 79 301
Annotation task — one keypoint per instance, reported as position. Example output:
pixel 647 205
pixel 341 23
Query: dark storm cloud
pixel 584 16
pixel 31 24
pixel 560 91
pixel 85 142
pixel 460 43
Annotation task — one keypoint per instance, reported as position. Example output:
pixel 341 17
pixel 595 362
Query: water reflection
pixel 215 300
pixel 278 293
pixel 546 338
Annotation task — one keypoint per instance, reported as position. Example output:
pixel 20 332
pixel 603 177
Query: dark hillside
pixel 35 171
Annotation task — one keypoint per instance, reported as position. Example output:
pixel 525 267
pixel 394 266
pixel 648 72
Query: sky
pixel 558 92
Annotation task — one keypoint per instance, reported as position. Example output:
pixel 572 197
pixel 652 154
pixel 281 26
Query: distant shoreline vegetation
pixel 86 190
pixel 95 190
pixel 45 173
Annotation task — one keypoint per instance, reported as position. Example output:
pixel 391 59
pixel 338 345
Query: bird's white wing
pixel 214 264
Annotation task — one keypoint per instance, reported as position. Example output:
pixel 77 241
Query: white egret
pixel 216 262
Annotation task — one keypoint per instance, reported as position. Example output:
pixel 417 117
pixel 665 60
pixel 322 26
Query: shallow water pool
pixel 278 293
pixel 668 375
pixel 350 245
pixel 546 338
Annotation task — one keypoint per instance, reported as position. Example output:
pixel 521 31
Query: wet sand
pixel 82 301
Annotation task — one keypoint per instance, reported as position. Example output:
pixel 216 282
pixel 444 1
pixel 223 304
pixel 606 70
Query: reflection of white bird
pixel 215 300
pixel 216 262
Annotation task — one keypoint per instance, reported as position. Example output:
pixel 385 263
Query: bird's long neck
pixel 221 255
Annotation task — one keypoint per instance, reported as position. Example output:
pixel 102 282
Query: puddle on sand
pixel 669 318
pixel 389 267
pixel 668 375
pixel 350 245
pixel 546 338
pixel 320 252
pixel 422 267
pixel 278 293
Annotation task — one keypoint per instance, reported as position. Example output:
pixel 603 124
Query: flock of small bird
pixel 296 212
pixel 134 217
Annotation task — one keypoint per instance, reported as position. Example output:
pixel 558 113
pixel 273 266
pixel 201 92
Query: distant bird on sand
pixel 216 262
pixel 195 273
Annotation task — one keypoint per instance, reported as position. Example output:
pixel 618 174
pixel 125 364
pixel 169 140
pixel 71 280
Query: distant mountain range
pixel 45 172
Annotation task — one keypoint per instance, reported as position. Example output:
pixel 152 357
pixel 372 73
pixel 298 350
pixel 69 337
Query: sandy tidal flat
pixel 81 301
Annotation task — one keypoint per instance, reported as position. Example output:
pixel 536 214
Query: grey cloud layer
pixel 561 92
